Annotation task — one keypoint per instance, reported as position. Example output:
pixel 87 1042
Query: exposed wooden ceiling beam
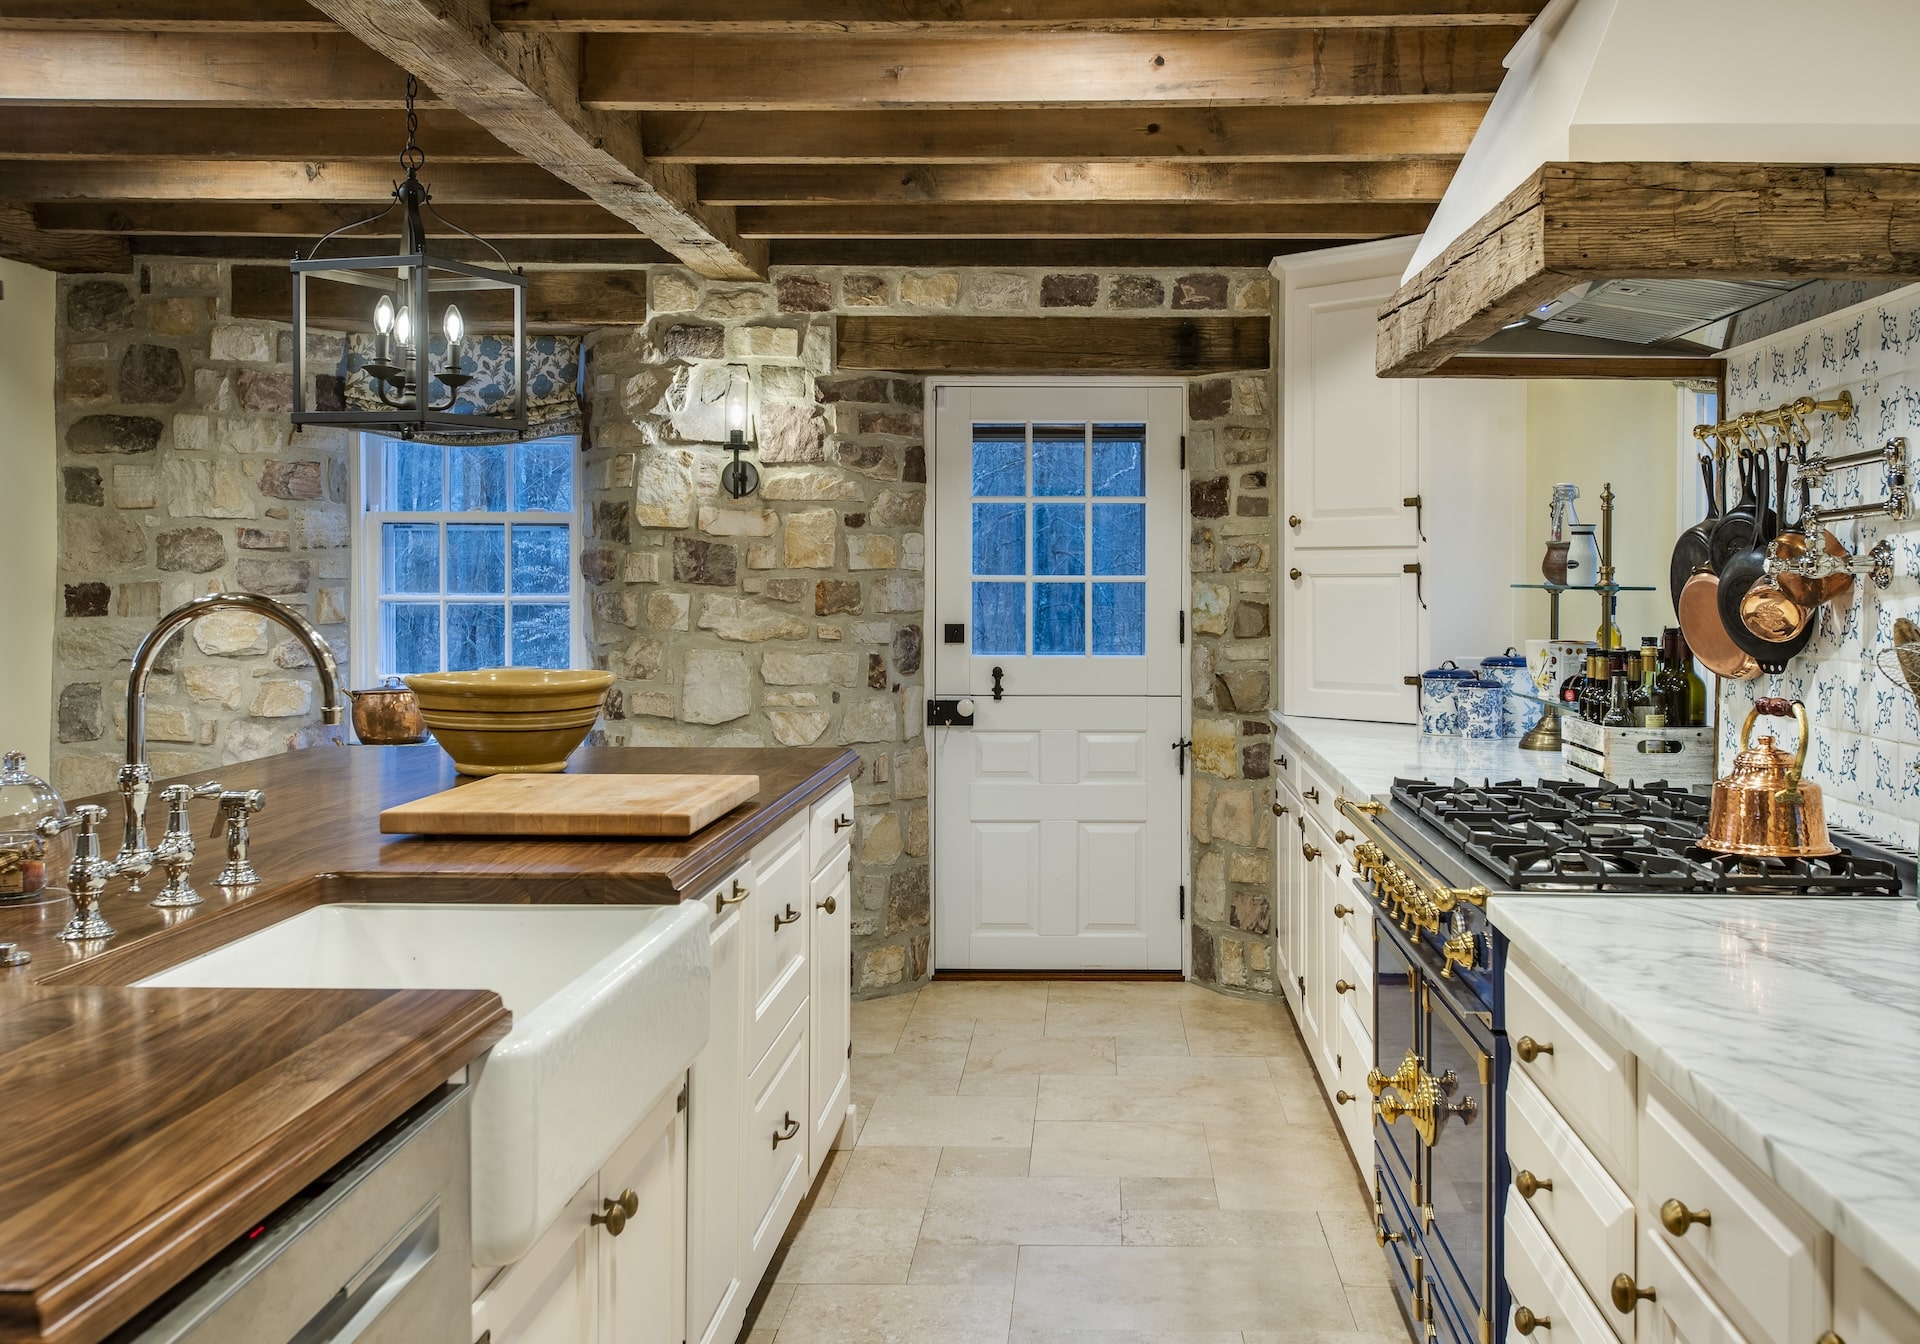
pixel 1382 131
pixel 210 16
pixel 1083 221
pixel 524 88
pixel 1053 344
pixel 1297 183
pixel 554 300
pixel 21 239
pixel 747 71
pixel 863 16
pixel 310 219
pixel 221 180
pixel 580 253
pixel 62 133
pixel 195 70
pixel 1053 253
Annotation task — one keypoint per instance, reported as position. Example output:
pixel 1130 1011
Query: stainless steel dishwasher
pixel 375 1252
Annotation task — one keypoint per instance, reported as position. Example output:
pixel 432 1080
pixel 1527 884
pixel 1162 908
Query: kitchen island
pixel 150 1128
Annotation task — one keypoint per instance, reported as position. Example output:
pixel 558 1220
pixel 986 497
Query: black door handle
pixel 998 690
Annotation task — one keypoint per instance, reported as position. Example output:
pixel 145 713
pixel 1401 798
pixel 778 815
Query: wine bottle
pixel 1619 700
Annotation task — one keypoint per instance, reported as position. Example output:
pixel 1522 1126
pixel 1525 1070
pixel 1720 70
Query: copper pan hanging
pixel 1707 635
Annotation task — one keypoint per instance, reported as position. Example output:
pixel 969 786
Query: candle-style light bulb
pixel 383 315
pixel 737 408
pixel 403 327
pixel 456 328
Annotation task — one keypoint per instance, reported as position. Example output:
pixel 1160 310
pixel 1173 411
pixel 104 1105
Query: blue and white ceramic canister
pixel 1439 708
pixel 1481 707
pixel 1510 670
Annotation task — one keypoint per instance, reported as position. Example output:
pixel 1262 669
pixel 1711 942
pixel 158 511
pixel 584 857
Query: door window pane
pixel 1120 460
pixel 1059 539
pixel 999 460
pixel 476 558
pixel 1119 538
pixel 543 476
pixel 1000 618
pixel 410 559
pixel 1120 619
pixel 412 476
pixel 478 478
pixel 412 632
pixel 999 539
pixel 476 635
pixel 1060 618
pixel 540 634
pixel 1059 460
pixel 540 559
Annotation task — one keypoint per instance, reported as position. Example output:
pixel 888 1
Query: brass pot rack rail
pixel 1790 418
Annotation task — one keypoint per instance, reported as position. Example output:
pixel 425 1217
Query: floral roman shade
pixel 553 384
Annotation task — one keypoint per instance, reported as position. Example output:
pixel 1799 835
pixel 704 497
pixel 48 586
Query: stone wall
pixel 181 475
pixel 797 616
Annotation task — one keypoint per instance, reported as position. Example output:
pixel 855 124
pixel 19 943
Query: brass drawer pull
pixel 1282 761
pixel 1311 795
pixel 840 823
pixel 792 916
pixel 740 894
pixel 1677 1217
pixel 614 1213
pixel 1526 1322
pixel 1529 1049
pixel 1625 1292
pixel 829 905
pixel 1311 852
pixel 1343 987
pixel 1342 911
pixel 1529 1185
pixel 786 1131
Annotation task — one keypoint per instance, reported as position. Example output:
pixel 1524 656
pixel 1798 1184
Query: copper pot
pixel 1764 808
pixel 388 716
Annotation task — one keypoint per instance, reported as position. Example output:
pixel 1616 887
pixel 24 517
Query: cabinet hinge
pixel 1183 627
pixel 1183 452
pixel 680 1103
pixel 1183 902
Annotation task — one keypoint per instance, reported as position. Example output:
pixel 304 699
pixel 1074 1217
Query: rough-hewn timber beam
pixel 21 239
pixel 1052 344
pixel 862 16
pixel 575 253
pixel 77 133
pixel 555 299
pixel 523 88
pixel 1571 222
pixel 139 16
pixel 310 219
pixel 1382 131
pixel 1083 221
pixel 220 180
pixel 1272 183
pixel 195 70
pixel 747 71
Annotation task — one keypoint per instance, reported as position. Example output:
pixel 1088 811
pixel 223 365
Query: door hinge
pixel 1419 515
pixel 1183 627
pixel 680 1102
pixel 1183 452
pixel 1419 589
pixel 1183 902
pixel 1180 753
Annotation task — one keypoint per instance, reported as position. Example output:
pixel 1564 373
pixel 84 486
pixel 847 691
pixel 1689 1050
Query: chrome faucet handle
pixel 12 954
pixel 135 858
pixel 237 806
pixel 175 851
pixel 88 873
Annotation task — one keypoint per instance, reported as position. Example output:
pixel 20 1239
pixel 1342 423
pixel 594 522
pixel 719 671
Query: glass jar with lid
pixel 32 867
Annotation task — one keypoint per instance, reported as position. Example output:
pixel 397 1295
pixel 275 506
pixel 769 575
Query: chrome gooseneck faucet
pixel 136 857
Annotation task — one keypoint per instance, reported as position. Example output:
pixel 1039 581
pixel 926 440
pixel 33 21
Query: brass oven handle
pixel 1526 1322
pixel 1350 806
pixel 1676 1217
pixel 740 894
pixel 1343 987
pixel 1341 911
pixel 1530 1185
pixel 840 823
pixel 1311 852
pixel 1625 1292
pixel 787 1130
pixel 791 917
pixel 1529 1049
pixel 614 1213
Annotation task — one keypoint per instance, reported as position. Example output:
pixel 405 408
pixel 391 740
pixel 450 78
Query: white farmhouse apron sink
pixel 609 1002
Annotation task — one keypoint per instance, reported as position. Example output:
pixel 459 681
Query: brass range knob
pixel 1625 1292
pixel 614 1213
pixel 1526 1322
pixel 1677 1218
pixel 1529 1185
pixel 1529 1049
pixel 1381 1236
pixel 1344 987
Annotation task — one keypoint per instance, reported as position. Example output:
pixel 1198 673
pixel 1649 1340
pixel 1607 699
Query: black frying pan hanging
pixel 1741 571
pixel 1690 551
pixel 1734 532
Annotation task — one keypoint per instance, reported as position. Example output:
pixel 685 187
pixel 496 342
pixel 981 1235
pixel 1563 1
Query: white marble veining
pixel 1365 758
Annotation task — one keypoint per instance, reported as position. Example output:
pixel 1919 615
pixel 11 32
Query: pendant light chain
pixel 412 158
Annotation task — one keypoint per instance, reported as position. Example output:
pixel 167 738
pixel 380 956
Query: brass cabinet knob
pixel 614 1213
pixel 1280 809
pixel 1677 1217
pixel 1526 1322
pixel 1343 987
pixel 1343 1096
pixel 829 905
pixel 1293 520
pixel 740 894
pixel 1294 574
pixel 1625 1292
pixel 1829 1338
pixel 1311 852
pixel 1341 911
pixel 1529 1049
pixel 1530 1185
pixel 1341 837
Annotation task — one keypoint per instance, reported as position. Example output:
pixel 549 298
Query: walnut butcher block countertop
pixel 148 1128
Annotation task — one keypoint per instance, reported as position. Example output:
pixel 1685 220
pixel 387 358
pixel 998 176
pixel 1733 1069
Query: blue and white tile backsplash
pixel 1866 730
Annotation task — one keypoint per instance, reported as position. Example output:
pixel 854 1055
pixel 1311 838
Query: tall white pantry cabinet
pixel 1400 503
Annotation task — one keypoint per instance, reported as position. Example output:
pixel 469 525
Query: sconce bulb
pixel 403 327
pixel 383 315
pixel 455 327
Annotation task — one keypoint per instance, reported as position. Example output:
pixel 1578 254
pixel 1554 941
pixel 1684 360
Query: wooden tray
pixel 560 805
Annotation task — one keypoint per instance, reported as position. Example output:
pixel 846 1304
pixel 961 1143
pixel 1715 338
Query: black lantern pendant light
pixel 411 382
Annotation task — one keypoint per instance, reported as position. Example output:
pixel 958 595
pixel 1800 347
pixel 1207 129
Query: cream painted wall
pixel 1590 432
pixel 27 596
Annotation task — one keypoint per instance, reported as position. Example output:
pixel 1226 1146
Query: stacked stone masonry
pixel 796 616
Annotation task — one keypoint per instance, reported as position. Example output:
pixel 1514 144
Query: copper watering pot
pixel 1764 808
pixel 387 716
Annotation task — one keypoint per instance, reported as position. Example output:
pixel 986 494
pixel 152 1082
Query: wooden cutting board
pixel 662 805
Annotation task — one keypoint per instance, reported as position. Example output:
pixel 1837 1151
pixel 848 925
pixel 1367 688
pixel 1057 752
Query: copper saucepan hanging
pixel 1764 808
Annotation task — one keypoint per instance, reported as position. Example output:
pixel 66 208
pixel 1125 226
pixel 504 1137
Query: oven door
pixel 1461 1172
pixel 1396 1030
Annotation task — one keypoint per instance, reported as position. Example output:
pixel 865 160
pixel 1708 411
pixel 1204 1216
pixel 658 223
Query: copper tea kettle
pixel 387 716
pixel 1764 808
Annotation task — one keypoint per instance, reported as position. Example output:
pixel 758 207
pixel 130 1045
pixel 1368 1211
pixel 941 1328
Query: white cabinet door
pixel 1351 631
pixel 1351 439
pixel 716 1106
pixel 643 1267
pixel 551 1295
pixel 776 929
pixel 1287 900
pixel 831 1032
pixel 774 1149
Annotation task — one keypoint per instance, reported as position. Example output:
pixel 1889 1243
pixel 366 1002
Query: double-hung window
pixel 466 556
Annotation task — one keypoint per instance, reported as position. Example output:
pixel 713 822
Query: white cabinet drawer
pixel 1286 764
pixel 1759 1255
pixel 777 932
pixel 775 1173
pixel 1316 796
pixel 1589 1217
pixel 1353 1056
pixel 1547 1289
pixel 1353 966
pixel 1678 1310
pixel 830 824
pixel 1588 1077
pixel 1865 1310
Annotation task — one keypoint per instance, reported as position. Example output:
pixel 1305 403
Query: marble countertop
pixel 1791 1027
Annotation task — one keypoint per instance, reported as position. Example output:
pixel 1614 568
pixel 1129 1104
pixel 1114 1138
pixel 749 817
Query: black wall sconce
pixel 739 477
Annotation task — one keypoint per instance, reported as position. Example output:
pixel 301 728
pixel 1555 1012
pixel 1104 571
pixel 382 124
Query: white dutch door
pixel 1059 814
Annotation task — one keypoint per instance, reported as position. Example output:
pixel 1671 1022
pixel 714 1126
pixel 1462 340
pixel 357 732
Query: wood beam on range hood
pixel 1574 222
pixel 863 16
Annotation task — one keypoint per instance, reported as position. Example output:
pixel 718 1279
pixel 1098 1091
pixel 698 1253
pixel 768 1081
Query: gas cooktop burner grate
pixel 1558 835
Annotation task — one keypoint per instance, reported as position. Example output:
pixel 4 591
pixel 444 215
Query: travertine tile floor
pixel 1081 1163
